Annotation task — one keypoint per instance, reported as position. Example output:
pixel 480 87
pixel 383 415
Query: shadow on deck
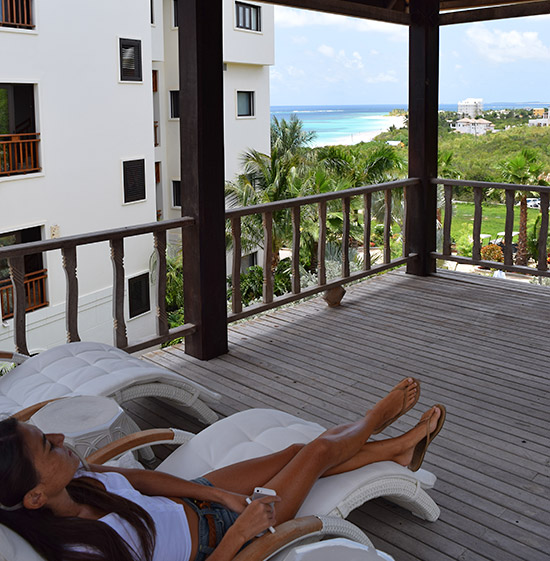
pixel 478 345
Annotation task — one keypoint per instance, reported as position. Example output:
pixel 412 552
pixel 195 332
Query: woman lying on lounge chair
pixel 68 512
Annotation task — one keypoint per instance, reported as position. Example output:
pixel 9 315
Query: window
pixel 175 104
pixel 16 13
pixel 138 295
pixel 248 16
pixel 130 60
pixel 152 12
pixel 176 193
pixel 175 11
pixel 35 273
pixel 245 104
pixel 134 180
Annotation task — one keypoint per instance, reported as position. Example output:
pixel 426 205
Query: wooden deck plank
pixel 479 345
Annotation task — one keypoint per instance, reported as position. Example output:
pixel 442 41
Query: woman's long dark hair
pixel 59 538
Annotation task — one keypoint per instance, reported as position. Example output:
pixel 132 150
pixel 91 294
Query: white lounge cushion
pixel 83 368
pixel 15 548
pixel 257 432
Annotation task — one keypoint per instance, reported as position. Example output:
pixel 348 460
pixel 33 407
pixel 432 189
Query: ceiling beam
pixel 353 8
pixel 446 5
pixel 501 12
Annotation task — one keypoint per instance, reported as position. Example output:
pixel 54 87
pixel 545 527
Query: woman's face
pixel 54 464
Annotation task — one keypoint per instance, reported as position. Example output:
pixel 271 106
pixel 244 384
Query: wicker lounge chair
pixel 257 432
pixel 97 369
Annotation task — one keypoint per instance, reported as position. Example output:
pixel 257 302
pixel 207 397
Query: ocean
pixel 350 124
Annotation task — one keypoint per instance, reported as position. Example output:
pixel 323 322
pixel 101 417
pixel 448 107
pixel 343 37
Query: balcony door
pixel 17 109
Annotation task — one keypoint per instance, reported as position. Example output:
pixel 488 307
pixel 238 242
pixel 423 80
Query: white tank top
pixel 173 539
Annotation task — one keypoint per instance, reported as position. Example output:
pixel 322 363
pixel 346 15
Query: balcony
pixel 19 154
pixel 35 293
pixel 16 13
pixel 469 341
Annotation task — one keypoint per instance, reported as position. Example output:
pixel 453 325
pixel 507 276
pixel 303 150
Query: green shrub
pixel 492 252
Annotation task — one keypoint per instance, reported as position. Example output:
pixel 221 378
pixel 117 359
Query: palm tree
pixel 523 169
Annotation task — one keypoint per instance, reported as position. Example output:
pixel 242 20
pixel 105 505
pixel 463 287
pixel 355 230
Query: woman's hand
pixel 233 501
pixel 257 517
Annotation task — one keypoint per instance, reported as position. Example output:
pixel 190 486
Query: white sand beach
pixel 397 121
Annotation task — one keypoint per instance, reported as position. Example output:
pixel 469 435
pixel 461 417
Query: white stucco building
pixel 471 107
pixel 89 141
pixel 543 121
pixel 473 126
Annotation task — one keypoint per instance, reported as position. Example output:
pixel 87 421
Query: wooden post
pixel 202 175
pixel 423 104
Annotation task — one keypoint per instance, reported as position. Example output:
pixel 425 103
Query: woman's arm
pixel 158 483
pixel 256 518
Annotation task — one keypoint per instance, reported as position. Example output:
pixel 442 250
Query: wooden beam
pixel 423 105
pixel 353 8
pixel 517 10
pixel 202 175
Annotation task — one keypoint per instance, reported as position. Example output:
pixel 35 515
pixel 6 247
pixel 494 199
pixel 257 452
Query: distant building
pixel 471 107
pixel 473 126
pixel 544 121
pixel 538 112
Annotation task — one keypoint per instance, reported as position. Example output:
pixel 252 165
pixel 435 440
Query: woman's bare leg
pixel 292 472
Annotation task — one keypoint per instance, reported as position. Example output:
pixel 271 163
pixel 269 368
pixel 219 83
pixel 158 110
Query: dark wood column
pixel 423 106
pixel 202 174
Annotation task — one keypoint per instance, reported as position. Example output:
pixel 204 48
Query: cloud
pixel 507 46
pixel 299 40
pixel 382 77
pixel 295 72
pixel 355 61
pixel 275 75
pixel 292 17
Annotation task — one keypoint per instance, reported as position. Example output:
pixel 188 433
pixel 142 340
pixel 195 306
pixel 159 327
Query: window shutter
pixel 130 60
pixel 134 180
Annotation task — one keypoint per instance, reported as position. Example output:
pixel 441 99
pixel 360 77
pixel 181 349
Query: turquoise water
pixel 339 124
pixel 349 124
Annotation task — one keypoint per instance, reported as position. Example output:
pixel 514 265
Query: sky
pixel 324 59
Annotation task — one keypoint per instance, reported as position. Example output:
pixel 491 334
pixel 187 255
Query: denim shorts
pixel 223 519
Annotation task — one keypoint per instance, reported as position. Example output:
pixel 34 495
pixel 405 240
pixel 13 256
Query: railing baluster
pixel 509 227
pixel 160 248
pixel 447 219
pixel 387 226
pixel 119 325
pixel 367 210
pixel 268 257
pixel 346 203
pixel 543 233
pixel 71 303
pixel 478 197
pixel 322 247
pixel 404 231
pixel 17 274
pixel 236 296
pixel 296 250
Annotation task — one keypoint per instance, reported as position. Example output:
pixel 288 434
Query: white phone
pixel 260 492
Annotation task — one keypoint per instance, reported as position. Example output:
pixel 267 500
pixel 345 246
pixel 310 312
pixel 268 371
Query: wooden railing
pixel 16 13
pixel 19 153
pixel 156 132
pixel 68 246
pixel 294 205
pixel 35 293
pixel 479 187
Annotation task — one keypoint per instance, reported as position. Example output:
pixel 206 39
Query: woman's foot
pixel 416 441
pixel 402 398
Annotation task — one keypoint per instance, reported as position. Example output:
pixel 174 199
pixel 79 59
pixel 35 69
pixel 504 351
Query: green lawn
pixel 492 222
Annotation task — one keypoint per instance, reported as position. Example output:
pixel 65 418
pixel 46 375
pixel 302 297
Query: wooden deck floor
pixel 478 345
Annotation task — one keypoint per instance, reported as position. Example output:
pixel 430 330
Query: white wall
pixel 244 133
pixel 89 122
pixel 249 47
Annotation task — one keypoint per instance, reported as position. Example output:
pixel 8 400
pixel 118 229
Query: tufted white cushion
pixel 83 368
pixel 258 432
pixel 15 548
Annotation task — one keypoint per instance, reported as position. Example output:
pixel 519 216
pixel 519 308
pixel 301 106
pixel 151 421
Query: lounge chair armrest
pixel 285 534
pixel 9 356
pixel 139 440
pixel 28 412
